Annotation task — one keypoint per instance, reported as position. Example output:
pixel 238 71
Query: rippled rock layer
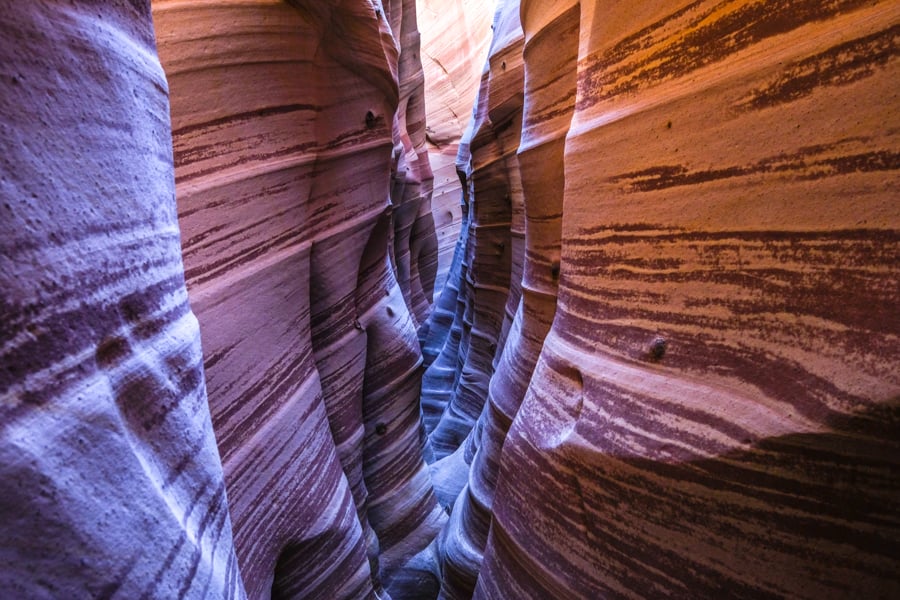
pixel 111 480
pixel 304 199
pixel 709 191
pixel 297 154
pixel 664 362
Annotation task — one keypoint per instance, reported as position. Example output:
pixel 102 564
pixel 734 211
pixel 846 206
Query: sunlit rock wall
pixel 455 38
pixel 111 481
pixel 714 409
pixel 310 268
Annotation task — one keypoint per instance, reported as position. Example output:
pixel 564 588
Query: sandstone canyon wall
pixel 111 480
pixel 455 38
pixel 710 189
pixel 297 147
pixel 664 363
pixel 303 191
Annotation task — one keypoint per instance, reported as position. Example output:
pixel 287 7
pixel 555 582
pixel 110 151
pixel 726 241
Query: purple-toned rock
pixel 303 193
pixel 549 87
pixel 111 480
pixel 491 259
pixel 663 363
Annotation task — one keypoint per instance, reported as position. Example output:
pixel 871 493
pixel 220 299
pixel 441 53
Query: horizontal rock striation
pixel 112 483
pixel 714 410
pixel 304 198
pixel 487 161
pixel 663 362
pixel 309 254
pixel 549 87
pixel 455 38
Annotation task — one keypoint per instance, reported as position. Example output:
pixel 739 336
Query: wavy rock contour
pixel 663 363
pixel 112 483
pixel 714 410
pixel 310 268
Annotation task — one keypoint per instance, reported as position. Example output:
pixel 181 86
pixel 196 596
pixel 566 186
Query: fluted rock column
pixel 714 412
pixel 287 119
pixel 401 504
pixel 492 171
pixel 550 49
pixel 111 480
pixel 283 156
pixel 415 250
pixel 455 38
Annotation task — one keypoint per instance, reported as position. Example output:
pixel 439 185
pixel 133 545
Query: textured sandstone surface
pixel 664 362
pixel 455 38
pixel 714 410
pixel 309 253
pixel 549 86
pixel 310 256
pixel 111 480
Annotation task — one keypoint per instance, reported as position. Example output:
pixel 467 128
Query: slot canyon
pixel 417 299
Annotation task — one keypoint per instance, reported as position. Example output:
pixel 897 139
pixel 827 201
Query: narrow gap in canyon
pixel 416 299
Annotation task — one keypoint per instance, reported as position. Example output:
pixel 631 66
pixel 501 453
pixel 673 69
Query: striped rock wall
pixel 491 257
pixel 415 248
pixel 664 363
pixel 713 412
pixel 111 481
pixel 455 38
pixel 549 87
pixel 303 193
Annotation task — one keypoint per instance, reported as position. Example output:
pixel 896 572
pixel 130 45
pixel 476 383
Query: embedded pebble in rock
pixel 112 483
pixel 714 411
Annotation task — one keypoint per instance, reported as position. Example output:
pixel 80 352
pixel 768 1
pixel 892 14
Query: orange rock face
pixel 714 408
pixel 455 38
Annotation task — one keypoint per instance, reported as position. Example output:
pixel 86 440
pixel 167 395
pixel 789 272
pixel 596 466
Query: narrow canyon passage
pixel 447 299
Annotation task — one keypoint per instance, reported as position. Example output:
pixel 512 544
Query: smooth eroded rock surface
pixel 714 411
pixel 304 197
pixel 549 86
pixel 111 481
pixel 455 37
pixel 663 364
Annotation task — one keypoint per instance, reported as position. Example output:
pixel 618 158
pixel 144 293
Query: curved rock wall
pixel 112 483
pixel 664 362
pixel 309 254
pixel 310 270
pixel 415 242
pixel 487 162
pixel 549 86
pixel 455 39
pixel 714 410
